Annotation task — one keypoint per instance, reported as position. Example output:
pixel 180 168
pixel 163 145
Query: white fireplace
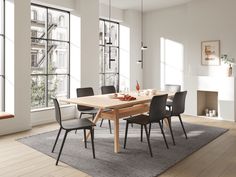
pixel 216 93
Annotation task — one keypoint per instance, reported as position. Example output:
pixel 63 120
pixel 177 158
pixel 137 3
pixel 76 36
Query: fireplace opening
pixel 207 103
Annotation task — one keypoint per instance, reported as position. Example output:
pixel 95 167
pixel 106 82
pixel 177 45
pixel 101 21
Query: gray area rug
pixel 135 160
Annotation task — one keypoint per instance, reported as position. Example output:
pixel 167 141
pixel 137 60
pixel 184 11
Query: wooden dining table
pixel 115 109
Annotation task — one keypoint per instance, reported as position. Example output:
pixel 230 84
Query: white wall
pixel 64 4
pixel 89 11
pixel 190 24
pixel 116 14
pixel 17 66
pixel 132 20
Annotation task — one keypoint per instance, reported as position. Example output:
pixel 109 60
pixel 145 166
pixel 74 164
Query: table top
pixel 105 101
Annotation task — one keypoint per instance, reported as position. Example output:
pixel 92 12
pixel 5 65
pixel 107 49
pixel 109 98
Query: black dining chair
pixel 82 92
pixel 108 90
pixel 157 112
pixel 171 88
pixel 70 125
pixel 178 107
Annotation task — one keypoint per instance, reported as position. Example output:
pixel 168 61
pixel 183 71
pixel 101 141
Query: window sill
pixel 5 115
pixel 51 108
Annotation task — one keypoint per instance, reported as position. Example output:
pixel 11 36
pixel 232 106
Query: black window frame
pixel 47 40
pixel 118 55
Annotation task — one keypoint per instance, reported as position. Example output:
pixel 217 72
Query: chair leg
pixel 126 132
pixel 101 123
pixel 171 132
pixel 62 145
pixel 92 140
pixel 109 122
pixel 147 135
pixel 85 139
pixel 162 123
pixel 141 133
pixel 163 134
pixel 80 116
pixel 58 134
pixel 93 116
pixel 183 127
pixel 149 131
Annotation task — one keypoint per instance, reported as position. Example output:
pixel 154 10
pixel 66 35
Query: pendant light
pixel 109 42
pixel 143 47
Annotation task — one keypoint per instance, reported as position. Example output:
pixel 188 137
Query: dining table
pixel 111 107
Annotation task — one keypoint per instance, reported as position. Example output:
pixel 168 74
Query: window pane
pixel 58 25
pixel 111 31
pixel 38 22
pixel 101 60
pixel 111 60
pixel 58 57
pixel 38 90
pixel 111 79
pixel 38 56
pixel 57 87
pixel 101 32
pixel 1 55
pixel 1 16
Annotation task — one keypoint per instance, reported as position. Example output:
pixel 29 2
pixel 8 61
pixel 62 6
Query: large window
pixel 2 55
pixel 109 53
pixel 50 55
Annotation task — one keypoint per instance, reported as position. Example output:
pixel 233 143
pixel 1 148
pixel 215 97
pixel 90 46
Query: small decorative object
pixel 214 112
pixel 137 87
pixel 211 52
pixel 146 92
pixel 229 61
pixel 153 92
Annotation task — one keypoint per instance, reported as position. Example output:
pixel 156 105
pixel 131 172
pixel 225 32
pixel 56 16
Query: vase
pixel 230 70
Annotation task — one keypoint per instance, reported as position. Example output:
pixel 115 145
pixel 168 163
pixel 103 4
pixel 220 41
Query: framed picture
pixel 211 53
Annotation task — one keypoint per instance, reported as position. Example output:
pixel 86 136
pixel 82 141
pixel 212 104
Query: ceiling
pixel 148 5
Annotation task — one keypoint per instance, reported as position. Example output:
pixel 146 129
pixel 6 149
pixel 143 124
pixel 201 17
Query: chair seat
pixel 139 119
pixel 90 111
pixel 77 124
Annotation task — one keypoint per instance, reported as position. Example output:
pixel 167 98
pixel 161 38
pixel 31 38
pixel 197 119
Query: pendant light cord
pixel 141 23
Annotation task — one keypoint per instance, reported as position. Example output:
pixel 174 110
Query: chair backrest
pixel 172 88
pixel 158 108
pixel 178 105
pixel 57 111
pixel 108 89
pixel 82 92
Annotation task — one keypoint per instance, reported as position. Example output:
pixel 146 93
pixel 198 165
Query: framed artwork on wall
pixel 210 53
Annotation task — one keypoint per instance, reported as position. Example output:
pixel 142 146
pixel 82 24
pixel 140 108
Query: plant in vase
pixel 227 60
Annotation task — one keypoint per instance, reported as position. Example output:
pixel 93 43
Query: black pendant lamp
pixel 143 47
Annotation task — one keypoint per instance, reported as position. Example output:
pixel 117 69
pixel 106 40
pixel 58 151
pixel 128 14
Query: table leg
pixel 116 132
pixel 95 121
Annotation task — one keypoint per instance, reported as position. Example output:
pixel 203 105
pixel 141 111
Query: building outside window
pixel 50 55
pixel 109 53
pixel 2 55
